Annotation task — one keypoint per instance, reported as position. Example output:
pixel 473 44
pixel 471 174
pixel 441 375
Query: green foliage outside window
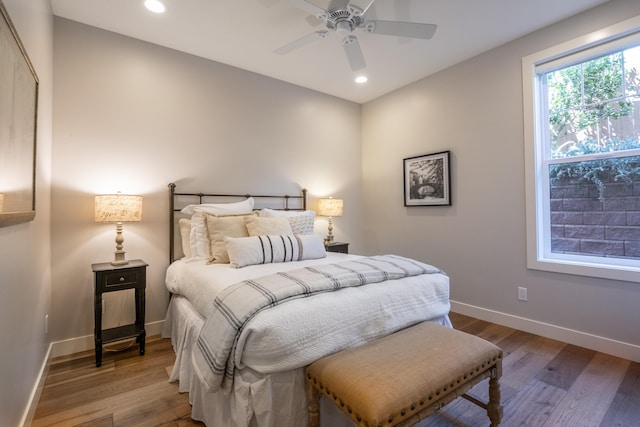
pixel 599 172
pixel 591 108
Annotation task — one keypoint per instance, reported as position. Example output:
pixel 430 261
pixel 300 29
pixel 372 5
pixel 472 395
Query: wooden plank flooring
pixel 127 390
pixel 544 383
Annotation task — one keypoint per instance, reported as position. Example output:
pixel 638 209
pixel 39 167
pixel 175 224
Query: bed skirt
pixel 257 400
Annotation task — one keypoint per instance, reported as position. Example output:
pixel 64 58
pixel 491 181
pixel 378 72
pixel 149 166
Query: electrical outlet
pixel 46 324
pixel 522 293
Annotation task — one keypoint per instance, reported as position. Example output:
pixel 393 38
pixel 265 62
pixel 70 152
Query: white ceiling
pixel 244 34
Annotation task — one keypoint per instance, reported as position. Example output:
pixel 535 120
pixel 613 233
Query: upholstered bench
pixel 403 378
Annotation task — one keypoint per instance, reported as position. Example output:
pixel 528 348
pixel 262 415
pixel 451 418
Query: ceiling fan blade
pixel 354 53
pixel 403 29
pixel 309 8
pixel 359 7
pixel 302 41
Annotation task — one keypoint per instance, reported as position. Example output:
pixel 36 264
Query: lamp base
pixel 119 253
pixel 329 237
pixel 119 259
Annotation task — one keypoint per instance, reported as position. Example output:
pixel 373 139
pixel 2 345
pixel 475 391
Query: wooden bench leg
pixel 313 402
pixel 494 408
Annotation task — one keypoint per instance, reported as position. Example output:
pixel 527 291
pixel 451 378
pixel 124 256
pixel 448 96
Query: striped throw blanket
pixel 214 354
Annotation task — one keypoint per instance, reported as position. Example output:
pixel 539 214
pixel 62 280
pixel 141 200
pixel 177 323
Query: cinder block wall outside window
pixel 584 223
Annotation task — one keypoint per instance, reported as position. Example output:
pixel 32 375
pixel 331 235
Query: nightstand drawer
pixel 339 247
pixel 121 278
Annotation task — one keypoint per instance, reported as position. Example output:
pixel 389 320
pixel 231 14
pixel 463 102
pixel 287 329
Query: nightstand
pixel 112 278
pixel 340 247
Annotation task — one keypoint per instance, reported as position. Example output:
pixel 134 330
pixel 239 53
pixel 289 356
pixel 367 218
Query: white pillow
pixel 198 240
pixel 185 236
pixel 301 222
pixel 257 226
pixel 254 250
pixel 219 227
pixel 245 206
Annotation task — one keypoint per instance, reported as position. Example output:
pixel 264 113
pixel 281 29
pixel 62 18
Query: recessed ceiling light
pixel 361 79
pixel 154 6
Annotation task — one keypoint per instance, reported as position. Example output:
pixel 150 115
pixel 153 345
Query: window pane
pixel 626 125
pixel 593 208
pixel 564 89
pixel 611 126
pixel 587 106
pixel 603 79
pixel 632 70
pixel 614 127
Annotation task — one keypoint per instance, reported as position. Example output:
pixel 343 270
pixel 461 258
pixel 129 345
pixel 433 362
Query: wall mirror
pixel 18 118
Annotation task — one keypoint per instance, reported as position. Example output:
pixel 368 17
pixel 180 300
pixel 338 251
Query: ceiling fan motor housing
pixel 343 21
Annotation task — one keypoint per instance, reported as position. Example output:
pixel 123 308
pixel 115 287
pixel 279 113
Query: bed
pixel 289 300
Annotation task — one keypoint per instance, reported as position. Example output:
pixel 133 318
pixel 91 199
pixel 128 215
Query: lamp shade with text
pixel 118 208
pixel 330 207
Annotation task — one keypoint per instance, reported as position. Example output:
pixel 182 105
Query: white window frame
pixel 539 255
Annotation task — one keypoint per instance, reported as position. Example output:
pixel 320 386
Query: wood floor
pixel 544 383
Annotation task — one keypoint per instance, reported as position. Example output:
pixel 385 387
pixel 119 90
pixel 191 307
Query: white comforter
pixel 300 331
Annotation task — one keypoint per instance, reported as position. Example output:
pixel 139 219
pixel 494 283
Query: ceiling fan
pixel 344 18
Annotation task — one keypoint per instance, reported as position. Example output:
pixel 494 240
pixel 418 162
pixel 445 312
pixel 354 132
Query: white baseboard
pixel 594 342
pixel 79 344
pixel 34 397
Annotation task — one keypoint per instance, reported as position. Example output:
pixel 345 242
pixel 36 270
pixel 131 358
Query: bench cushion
pixel 391 379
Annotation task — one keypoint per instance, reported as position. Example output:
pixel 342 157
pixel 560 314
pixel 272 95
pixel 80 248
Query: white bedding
pixel 278 342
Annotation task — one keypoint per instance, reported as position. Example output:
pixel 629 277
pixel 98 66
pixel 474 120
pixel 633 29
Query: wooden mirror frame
pixel 22 87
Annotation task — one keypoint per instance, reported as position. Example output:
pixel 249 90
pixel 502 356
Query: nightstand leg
pixel 140 313
pixel 142 338
pixel 97 331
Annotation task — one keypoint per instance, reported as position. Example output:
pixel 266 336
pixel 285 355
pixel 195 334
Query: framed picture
pixel 427 180
pixel 18 107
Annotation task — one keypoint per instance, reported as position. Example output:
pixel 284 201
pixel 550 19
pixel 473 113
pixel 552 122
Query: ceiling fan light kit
pixel 345 20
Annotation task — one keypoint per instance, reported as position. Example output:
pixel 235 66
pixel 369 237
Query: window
pixel 582 154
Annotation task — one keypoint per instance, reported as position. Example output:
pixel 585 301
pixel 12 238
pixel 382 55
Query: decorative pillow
pixel 185 236
pixel 198 239
pixel 219 227
pixel 257 226
pixel 246 206
pixel 301 222
pixel 254 250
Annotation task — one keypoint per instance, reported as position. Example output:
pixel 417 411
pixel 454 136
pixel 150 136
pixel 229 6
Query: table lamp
pixel 118 208
pixel 330 207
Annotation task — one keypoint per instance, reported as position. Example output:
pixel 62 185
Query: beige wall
pixel 132 117
pixel 25 248
pixel 474 109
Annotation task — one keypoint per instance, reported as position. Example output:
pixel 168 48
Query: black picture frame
pixel 427 179
pixel 18 127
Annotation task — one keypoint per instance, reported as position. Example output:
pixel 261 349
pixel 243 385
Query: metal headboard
pixel 286 202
